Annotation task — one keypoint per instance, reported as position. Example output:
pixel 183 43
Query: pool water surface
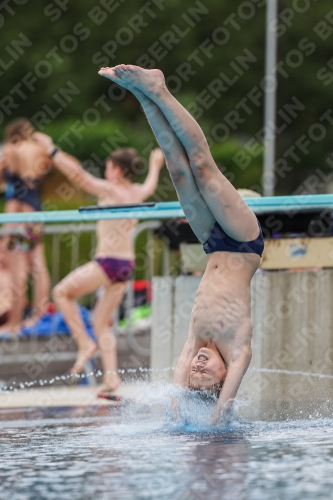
pixel 121 454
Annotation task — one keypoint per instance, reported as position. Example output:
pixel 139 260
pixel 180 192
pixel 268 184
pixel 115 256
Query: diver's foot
pixel 111 75
pixel 150 81
pixel 109 384
pixel 84 353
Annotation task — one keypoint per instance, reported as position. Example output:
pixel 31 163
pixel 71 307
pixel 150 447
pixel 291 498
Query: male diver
pixel 218 349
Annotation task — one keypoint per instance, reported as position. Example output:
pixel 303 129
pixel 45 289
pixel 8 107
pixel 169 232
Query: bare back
pixel 30 162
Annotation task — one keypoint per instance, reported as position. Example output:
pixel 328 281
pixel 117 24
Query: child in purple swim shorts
pixel 114 259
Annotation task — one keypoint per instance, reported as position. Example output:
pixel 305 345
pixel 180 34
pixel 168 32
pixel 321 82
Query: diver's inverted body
pixel 218 350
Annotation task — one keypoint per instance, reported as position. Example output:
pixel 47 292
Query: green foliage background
pixel 71 30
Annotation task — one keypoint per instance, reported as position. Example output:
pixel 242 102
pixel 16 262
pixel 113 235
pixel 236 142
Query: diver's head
pixel 208 370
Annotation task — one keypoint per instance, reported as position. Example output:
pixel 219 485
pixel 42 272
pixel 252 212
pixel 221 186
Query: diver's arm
pixel 236 371
pixel 182 374
pixel 182 371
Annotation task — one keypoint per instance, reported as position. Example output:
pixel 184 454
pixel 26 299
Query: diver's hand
pixel 222 414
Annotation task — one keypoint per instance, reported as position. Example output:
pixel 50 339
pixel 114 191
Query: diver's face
pixel 207 369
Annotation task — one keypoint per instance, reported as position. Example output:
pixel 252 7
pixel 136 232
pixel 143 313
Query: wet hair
pixel 128 160
pixel 211 394
pixel 18 130
pixel 208 396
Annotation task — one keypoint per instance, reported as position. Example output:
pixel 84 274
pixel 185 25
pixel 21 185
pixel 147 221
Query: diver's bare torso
pixel 221 311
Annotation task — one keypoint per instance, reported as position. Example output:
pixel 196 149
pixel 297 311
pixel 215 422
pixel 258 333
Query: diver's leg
pixel 226 205
pixel 193 204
